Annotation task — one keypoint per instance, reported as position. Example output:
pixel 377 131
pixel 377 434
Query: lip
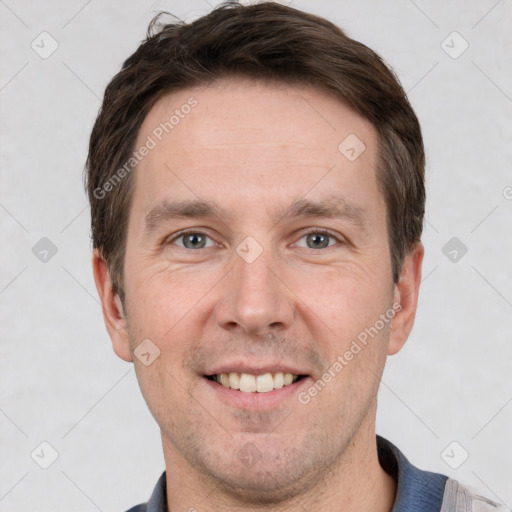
pixel 255 401
pixel 253 369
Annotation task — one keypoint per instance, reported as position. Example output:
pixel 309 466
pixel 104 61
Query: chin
pixel 263 487
pixel 272 477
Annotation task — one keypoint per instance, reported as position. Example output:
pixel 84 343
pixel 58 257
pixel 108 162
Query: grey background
pixel 60 380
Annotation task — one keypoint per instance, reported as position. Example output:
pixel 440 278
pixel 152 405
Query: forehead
pixel 242 140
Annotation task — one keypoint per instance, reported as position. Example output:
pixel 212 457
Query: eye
pixel 192 240
pixel 319 239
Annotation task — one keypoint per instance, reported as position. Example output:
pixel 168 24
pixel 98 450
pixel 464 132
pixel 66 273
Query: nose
pixel 254 299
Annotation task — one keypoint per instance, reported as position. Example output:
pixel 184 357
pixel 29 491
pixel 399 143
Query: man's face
pixel 256 289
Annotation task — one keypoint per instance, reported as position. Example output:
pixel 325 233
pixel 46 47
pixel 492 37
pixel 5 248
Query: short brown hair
pixel 265 41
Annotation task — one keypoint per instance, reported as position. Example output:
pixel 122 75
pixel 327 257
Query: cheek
pixel 160 299
pixel 346 300
pixel 165 393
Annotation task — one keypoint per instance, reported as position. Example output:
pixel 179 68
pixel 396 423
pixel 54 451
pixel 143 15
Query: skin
pixel 254 147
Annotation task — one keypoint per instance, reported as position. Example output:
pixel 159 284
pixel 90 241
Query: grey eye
pixel 318 240
pixel 193 240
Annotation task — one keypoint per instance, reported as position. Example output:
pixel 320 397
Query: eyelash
pixel 317 231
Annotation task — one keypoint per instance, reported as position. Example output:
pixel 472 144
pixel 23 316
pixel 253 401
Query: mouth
pixel 249 383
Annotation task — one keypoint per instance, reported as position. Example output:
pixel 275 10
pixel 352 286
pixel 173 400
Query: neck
pixel 356 482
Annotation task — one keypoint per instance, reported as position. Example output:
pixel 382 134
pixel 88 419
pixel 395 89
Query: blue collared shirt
pixel 417 490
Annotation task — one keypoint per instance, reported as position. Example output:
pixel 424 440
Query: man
pixel 256 181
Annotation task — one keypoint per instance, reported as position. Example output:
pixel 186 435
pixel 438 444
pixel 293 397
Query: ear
pixel 405 299
pixel 113 314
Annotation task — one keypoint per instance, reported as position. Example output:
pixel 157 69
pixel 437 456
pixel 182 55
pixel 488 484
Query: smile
pixel 248 383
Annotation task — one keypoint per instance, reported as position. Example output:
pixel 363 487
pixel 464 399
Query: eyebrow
pixel 172 210
pixel 332 208
pixel 335 207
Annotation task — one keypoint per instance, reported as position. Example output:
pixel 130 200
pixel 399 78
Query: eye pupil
pixel 320 240
pixel 196 240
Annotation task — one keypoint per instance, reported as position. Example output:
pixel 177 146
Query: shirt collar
pixel 158 500
pixel 417 490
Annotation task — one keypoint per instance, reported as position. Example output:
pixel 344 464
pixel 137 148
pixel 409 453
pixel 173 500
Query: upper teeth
pixel 250 383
